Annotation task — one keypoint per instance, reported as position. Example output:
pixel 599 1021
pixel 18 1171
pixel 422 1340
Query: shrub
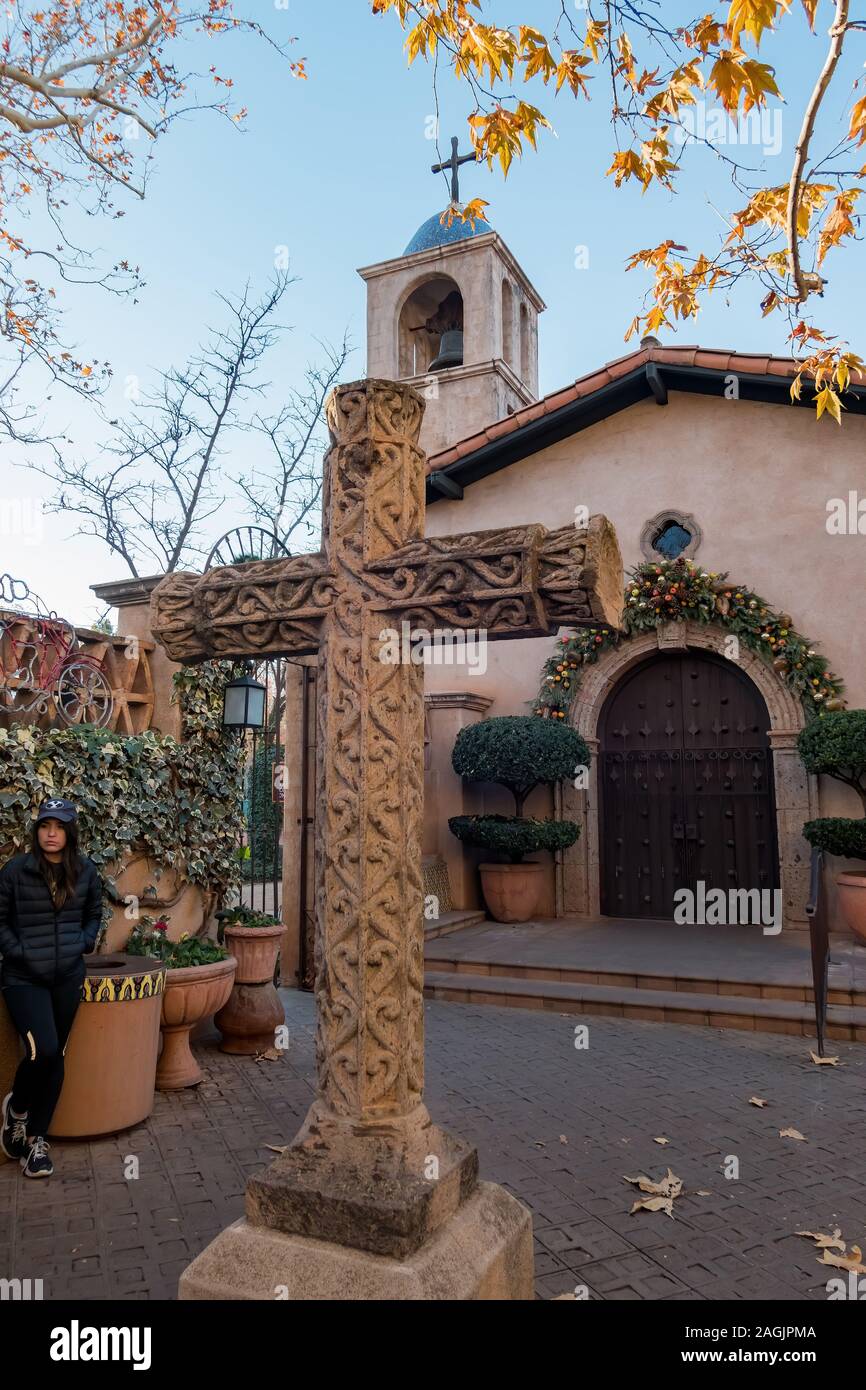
pixel 513 837
pixel 519 752
pixel 837 835
pixel 836 747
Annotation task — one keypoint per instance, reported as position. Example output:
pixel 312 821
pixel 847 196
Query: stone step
pixel 448 922
pixel 845 1023
pixel 801 993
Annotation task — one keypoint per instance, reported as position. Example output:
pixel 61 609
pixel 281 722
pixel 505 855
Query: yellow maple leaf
pixel 838 223
pixel 754 16
pixel 627 164
pixel 569 70
pixel 858 122
pixel 828 400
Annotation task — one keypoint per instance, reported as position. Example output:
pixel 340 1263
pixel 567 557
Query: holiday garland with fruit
pixel 679 590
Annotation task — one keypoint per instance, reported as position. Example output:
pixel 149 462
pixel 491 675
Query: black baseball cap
pixel 55 808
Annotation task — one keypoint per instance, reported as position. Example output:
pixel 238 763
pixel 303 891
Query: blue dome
pixel 435 233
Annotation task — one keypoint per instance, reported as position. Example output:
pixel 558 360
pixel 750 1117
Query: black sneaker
pixel 38 1164
pixel 13 1136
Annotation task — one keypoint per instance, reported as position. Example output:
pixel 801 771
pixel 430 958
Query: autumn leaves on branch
pixel 769 239
pixel 86 87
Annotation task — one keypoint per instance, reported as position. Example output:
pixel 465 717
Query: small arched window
pixel 507 322
pixel 525 346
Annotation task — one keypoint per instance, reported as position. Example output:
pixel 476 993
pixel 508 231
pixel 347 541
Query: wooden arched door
pixel 686 779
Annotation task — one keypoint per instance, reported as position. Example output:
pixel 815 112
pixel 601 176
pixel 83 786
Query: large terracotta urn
pixel 851 887
pixel 253 1012
pixel 191 994
pixel 110 1061
pixel 511 891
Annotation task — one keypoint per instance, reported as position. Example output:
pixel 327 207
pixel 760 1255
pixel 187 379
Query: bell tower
pixel 457 317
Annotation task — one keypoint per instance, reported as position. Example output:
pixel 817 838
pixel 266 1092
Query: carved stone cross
pixel 358 1173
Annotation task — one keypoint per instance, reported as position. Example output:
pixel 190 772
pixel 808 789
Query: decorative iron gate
pixel 264 784
pixel 687 785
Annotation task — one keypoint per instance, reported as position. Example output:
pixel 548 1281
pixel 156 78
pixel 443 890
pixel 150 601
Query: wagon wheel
pixel 83 695
pixel 246 543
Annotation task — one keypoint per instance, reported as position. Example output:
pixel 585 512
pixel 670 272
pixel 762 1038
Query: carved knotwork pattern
pixel 370 786
pixel 376 570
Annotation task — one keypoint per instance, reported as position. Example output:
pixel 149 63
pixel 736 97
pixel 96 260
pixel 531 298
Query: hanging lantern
pixel 244 703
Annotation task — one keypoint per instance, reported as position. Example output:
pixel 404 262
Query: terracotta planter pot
pixel 110 1061
pixel 852 900
pixel 253 1012
pixel 511 891
pixel 191 994
pixel 255 950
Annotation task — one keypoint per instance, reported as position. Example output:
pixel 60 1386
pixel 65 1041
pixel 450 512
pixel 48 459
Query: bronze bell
pixel 450 350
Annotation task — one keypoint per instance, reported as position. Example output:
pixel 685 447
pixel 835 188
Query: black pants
pixel 43 1015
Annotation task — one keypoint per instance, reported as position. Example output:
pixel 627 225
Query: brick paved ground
pixel 513 1082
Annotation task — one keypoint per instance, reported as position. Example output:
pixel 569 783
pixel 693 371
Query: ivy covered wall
pixel 180 803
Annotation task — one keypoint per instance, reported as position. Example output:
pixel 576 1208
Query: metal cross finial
pixel 454 164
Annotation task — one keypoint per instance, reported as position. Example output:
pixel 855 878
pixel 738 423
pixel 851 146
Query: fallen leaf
pixel 270 1054
pixel 852 1262
pixel 824 1061
pixel 562 1139
pixel 560 1296
pixel 792 1133
pixel 833 1242
pixel 665 1204
pixel 538 1145
pixel 277 1148
pixel 703 1193
pixel 756 1100
pixel 661 1140
pixel 670 1186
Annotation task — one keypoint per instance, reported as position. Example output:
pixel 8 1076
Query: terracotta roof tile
pixel 756 366
pixel 561 398
pixel 780 366
pixel 715 361
pixel 585 385
pixel 626 357
pixel 683 356
pixel 501 427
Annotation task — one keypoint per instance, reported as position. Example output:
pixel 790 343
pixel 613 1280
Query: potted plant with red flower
pixel 198 981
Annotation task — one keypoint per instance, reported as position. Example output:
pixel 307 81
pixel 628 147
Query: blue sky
pixel 337 169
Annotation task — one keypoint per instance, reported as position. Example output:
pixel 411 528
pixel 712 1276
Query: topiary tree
pixel 519 752
pixel 835 745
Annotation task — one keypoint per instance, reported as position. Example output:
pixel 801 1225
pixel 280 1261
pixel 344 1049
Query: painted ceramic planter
pixel 115 1037
pixel 253 1011
pixel 191 994
pixel 512 891
pixel 852 900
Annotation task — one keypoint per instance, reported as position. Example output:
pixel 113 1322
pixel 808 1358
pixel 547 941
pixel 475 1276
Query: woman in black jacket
pixel 50 915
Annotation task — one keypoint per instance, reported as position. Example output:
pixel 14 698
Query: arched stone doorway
pixel 578 877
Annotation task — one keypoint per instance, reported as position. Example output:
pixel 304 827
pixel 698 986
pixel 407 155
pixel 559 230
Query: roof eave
pixel 609 400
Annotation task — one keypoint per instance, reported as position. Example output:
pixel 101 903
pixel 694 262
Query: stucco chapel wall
pixel 757 479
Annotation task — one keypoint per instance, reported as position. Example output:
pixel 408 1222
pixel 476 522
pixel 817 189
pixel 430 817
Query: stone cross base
pixel 350 1208
pixel 483 1252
